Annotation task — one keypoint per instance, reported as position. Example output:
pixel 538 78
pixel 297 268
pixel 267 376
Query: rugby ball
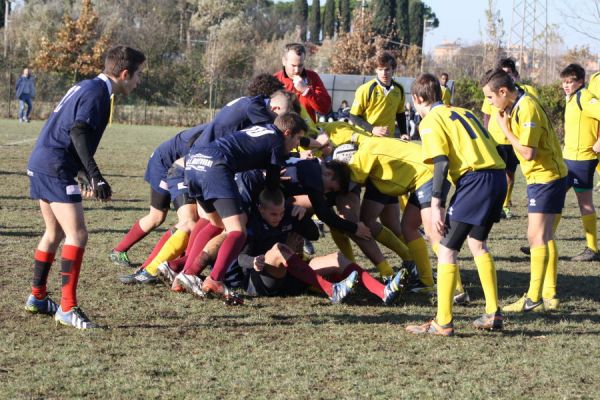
pixel 344 152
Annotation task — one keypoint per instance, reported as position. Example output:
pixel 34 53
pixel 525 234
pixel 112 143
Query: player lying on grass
pixel 527 127
pixel 265 102
pixel 456 143
pixel 66 145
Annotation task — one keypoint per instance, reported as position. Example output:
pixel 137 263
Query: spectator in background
pixel 305 83
pixel 446 92
pixel 411 121
pixel 343 111
pixel 25 90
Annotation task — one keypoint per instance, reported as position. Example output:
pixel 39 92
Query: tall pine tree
pixel 416 15
pixel 315 21
pixel 329 19
pixel 301 17
pixel 402 26
pixel 345 16
pixel 384 13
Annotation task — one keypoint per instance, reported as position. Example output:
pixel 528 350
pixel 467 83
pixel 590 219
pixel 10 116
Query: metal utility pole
pixel 528 39
pixel 6 20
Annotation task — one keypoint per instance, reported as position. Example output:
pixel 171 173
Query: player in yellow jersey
pixel 379 104
pixel 504 147
pixel 527 127
pixel 582 112
pixel 457 144
pixel 446 93
pixel 594 88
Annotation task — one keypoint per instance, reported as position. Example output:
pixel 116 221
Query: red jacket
pixel 316 99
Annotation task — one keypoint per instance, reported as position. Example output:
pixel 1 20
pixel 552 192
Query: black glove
pixel 101 188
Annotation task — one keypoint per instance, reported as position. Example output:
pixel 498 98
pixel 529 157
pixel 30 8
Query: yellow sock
pixel 384 269
pixel 487 276
pixel 598 168
pixel 387 238
pixel 459 286
pixel 418 249
pixel 589 226
pixel 445 292
pixel 556 222
pixel 508 197
pixel 435 247
pixel 403 200
pixel 539 260
pixel 343 243
pixel 172 248
pixel 550 276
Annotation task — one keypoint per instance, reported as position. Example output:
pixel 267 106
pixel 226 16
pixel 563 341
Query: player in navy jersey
pixel 66 145
pixel 209 172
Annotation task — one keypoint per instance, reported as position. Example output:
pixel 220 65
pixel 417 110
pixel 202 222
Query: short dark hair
pixel 444 74
pixel 575 70
pixel 297 48
pixel 291 121
pixel 273 197
pixel 341 173
pixel 508 63
pixel 385 58
pixel 496 79
pixel 264 85
pixel 427 86
pixel 120 58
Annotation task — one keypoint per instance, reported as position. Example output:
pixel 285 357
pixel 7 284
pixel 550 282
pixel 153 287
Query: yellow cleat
pixel 551 304
pixel 524 304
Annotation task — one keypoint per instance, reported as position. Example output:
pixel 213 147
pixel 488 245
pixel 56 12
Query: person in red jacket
pixel 305 83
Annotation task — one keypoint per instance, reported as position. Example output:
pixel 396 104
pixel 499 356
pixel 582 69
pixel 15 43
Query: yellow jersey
pixel 446 96
pixel 393 166
pixel 530 124
pixel 582 113
pixel 341 132
pixel 378 105
pixel 594 85
pixel 493 127
pixel 456 132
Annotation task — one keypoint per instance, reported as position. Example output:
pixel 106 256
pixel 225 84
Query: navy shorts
pixel 372 193
pixel 547 198
pixel 478 198
pixel 581 174
pixel 422 196
pixel 53 189
pixel 156 175
pixel 507 153
pixel 263 284
pixel 209 177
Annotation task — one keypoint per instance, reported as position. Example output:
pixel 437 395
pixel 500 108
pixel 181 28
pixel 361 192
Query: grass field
pixel 165 345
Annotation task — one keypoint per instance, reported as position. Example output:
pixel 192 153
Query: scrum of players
pixel 253 188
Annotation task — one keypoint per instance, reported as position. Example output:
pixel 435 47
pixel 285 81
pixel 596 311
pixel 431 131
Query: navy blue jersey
pixel 178 146
pixel 250 184
pixel 304 175
pixel 238 114
pixel 87 102
pixel 258 147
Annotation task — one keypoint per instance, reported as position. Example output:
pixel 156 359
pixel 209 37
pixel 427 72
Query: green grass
pixel 165 345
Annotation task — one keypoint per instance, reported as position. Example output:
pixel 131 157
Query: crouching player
pixel 456 143
pixel 67 144
pixel 210 171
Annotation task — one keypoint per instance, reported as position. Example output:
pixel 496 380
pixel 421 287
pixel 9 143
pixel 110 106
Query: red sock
pixel 304 273
pixel 157 247
pixel 372 284
pixel 177 264
pixel 134 235
pixel 70 266
pixel 192 266
pixel 229 251
pixel 41 268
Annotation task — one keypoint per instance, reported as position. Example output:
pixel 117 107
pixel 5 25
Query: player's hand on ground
pixel 363 231
pixel 101 188
pixel 380 131
pixel 298 212
pixel 259 263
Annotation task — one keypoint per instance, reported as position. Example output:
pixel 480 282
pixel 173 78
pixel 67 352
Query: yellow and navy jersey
pixel 456 132
pixel 378 105
pixel 532 127
pixel 312 132
pixel 582 113
pixel 393 166
pixel 594 85
pixel 493 127
pixel 341 132
pixel 446 96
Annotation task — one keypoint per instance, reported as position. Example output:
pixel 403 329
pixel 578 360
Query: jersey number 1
pixel 454 116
